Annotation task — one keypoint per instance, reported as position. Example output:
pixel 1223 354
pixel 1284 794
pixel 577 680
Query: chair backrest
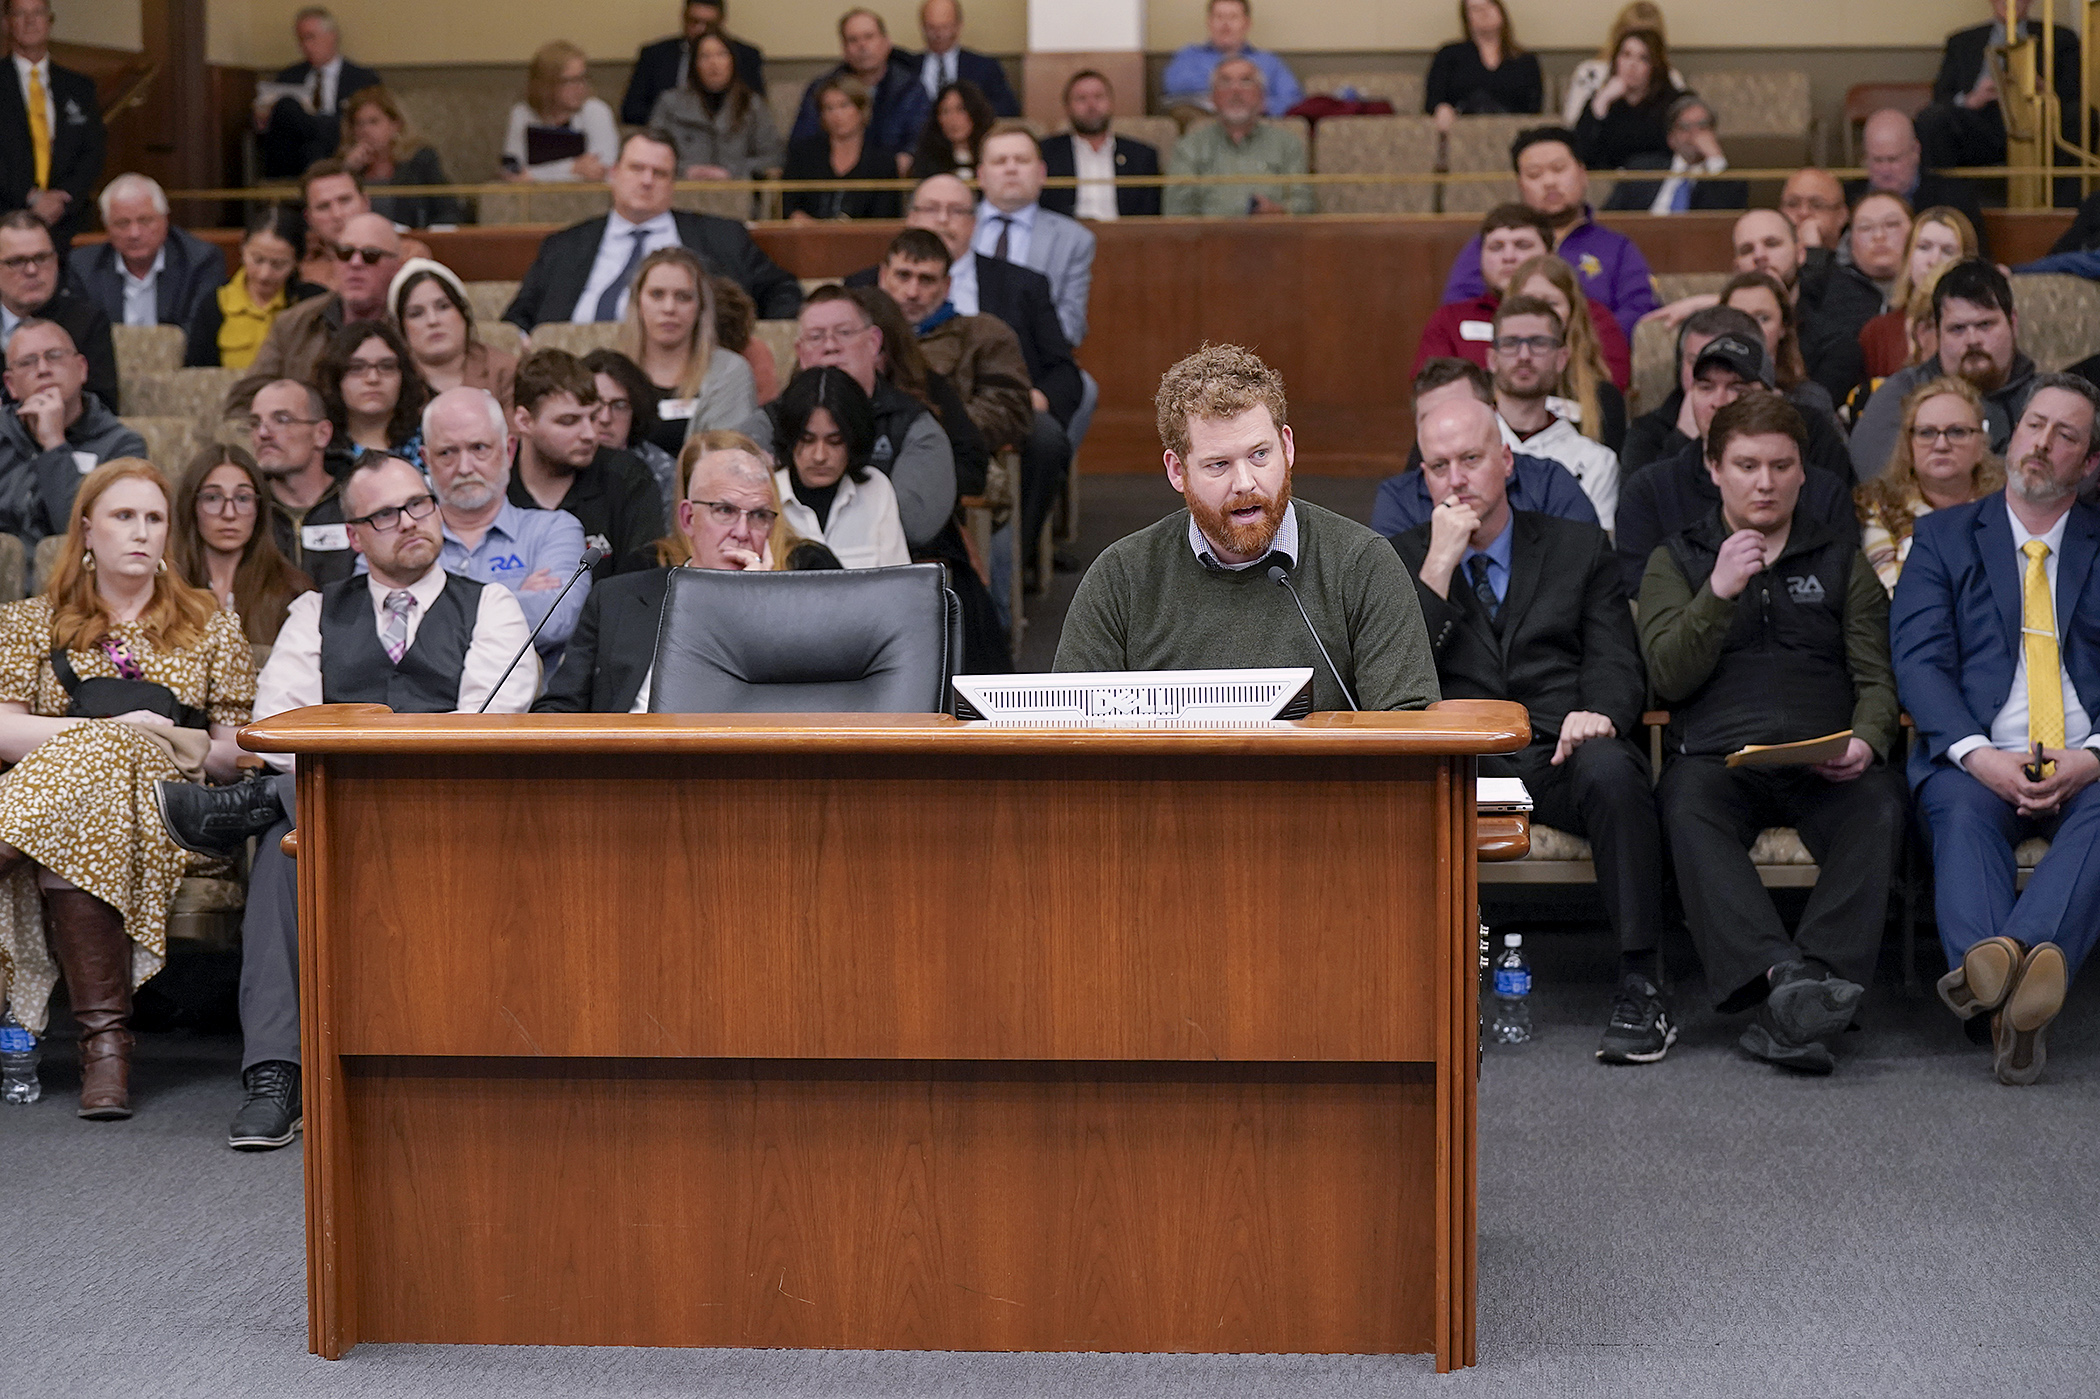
pixel 170 441
pixel 500 335
pixel 1160 133
pixel 832 641
pixel 1376 145
pixel 1654 366
pixel 2059 318
pixel 579 338
pixel 146 349
pixel 1403 90
pixel 196 394
pixel 490 300
pixel 779 337
pixel 1479 144
pixel 543 202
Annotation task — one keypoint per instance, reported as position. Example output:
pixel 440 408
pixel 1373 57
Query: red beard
pixel 1250 540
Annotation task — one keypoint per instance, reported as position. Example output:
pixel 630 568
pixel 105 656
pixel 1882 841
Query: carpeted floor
pixel 1706 1226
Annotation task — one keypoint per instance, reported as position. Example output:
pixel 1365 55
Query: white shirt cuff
pixel 1962 748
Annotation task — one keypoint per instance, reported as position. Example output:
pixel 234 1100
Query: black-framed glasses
pixel 1956 436
pixel 27 262
pixel 217 502
pixel 389 517
pixel 370 257
pixel 1518 344
pixel 726 515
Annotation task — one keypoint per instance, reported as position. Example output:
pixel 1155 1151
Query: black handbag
pixel 105 697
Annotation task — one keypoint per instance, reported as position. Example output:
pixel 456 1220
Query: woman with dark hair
pixel 117 676
pixel 1759 296
pixel 719 127
pixel 373 396
pixel 627 404
pixel 1485 72
pixel 381 149
pixel 430 306
pixel 218 542
pixel 823 436
pixel 1630 115
pixel 842 151
pixel 232 324
pixel 952 141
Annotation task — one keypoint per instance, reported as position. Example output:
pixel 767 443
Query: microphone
pixel 1283 580
pixel 592 557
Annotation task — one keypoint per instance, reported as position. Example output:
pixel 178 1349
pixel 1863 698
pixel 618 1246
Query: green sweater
pixel 1148 603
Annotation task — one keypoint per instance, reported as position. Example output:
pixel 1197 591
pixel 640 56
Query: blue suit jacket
pixel 1954 627
pixel 1062 249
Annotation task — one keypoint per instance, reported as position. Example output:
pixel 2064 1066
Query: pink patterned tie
pixel 399 604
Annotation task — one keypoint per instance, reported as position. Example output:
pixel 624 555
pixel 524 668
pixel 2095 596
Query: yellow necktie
pixel 2045 681
pixel 39 130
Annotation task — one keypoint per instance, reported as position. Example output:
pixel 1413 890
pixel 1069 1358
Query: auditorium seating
pixel 490 300
pixel 146 349
pixel 579 338
pixel 1377 145
pixel 171 440
pixel 197 395
pixel 1481 144
pixel 1402 89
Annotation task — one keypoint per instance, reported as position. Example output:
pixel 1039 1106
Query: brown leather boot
pixel 87 938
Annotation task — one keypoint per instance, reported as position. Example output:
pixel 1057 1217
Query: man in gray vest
pixel 408 635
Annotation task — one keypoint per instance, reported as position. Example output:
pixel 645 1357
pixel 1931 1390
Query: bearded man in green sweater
pixel 1195 591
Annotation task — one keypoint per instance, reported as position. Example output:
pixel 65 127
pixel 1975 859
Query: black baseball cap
pixel 1745 356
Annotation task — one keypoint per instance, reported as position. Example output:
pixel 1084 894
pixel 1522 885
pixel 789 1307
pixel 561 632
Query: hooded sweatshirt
pixel 36 486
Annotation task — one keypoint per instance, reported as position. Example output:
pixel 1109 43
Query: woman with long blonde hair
pixel 1938 236
pixel 1942 458
pixel 1587 384
pixel 670 332
pixel 117 676
pixel 559 113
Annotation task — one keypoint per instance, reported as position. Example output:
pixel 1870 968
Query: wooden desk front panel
pixel 1118 1207
pixel 886 907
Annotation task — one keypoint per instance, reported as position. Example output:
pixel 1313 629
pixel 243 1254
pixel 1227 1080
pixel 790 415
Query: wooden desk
pixel 885 1032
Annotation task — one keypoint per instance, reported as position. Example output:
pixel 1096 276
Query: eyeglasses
pixel 1955 436
pixel 51 358
pixel 1527 344
pixel 945 211
pixel 27 262
pixel 614 405
pixel 450 452
pixel 371 368
pixel 727 515
pixel 370 257
pixel 817 337
pixel 1810 202
pixel 276 422
pixel 219 503
pixel 389 517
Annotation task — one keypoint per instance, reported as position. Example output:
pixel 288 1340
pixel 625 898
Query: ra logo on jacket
pixel 1805 590
pixel 505 563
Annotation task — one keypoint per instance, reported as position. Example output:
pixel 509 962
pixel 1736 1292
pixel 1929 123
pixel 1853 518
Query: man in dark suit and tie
pixel 1090 107
pixel 661 66
pixel 1964 124
pixel 897 106
pixel 1695 149
pixel 1996 642
pixel 1528 607
pixel 583 272
pixel 729 507
pixel 51 138
pixel 294 134
pixel 947 61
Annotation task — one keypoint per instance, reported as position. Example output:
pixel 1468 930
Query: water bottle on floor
pixel 19 1054
pixel 1512 993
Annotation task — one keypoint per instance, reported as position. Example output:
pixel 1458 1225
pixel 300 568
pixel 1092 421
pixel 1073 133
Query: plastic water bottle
pixel 1512 993
pixel 19 1053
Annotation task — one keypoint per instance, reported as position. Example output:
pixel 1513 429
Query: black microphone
pixel 1283 579
pixel 592 557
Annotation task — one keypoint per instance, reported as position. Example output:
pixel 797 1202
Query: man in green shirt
pixel 1196 591
pixel 1239 142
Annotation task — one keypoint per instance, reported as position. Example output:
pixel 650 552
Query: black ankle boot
pixel 217 820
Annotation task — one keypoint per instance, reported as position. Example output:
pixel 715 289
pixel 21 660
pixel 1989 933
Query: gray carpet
pixel 1706 1226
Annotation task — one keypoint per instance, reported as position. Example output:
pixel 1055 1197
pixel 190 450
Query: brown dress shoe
pixel 2023 1023
pixel 1983 979
pixel 87 937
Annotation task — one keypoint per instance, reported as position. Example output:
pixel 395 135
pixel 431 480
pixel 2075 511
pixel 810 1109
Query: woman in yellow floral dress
pixel 87 871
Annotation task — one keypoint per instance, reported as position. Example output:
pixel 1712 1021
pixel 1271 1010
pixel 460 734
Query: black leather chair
pixel 853 641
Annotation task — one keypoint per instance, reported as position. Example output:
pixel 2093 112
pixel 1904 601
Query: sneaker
pixel 1640 1030
pixel 270 1116
pixel 1767 1041
pixel 1806 1006
pixel 217 820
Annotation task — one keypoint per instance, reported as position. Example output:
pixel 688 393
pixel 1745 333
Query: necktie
pixel 609 299
pixel 1477 567
pixel 399 604
pixel 1005 227
pixel 2045 679
pixel 39 130
pixel 1682 199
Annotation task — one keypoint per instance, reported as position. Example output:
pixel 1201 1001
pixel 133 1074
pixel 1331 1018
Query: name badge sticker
pixel 324 537
pixel 1476 330
pixel 84 462
pixel 676 409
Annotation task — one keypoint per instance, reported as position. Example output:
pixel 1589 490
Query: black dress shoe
pixel 270 1116
pixel 217 820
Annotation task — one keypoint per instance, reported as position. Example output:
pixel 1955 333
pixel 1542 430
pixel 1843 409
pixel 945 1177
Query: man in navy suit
pixel 1090 107
pixel 897 105
pixel 51 163
pixel 293 134
pixel 149 272
pixel 947 61
pixel 661 66
pixel 1996 643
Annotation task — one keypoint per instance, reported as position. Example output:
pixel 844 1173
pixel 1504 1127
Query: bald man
pixel 947 61
pixel 368 254
pixel 1895 165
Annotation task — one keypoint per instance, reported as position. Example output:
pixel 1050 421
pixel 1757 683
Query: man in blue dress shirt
pixel 1187 79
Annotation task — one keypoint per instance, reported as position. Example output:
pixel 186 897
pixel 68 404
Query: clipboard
pixel 1805 753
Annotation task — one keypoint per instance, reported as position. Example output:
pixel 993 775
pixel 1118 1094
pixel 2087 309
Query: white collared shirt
pixel 43 75
pixel 1096 171
pixel 142 294
pixel 291 678
pixel 863 528
pixel 962 284
pixel 2009 729
pixel 327 79
pixel 613 251
pixel 937 70
pixel 1018 236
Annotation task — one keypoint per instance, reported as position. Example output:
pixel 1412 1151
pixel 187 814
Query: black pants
pixel 295 139
pixel 1853 829
pixel 1602 793
pixel 1950 134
